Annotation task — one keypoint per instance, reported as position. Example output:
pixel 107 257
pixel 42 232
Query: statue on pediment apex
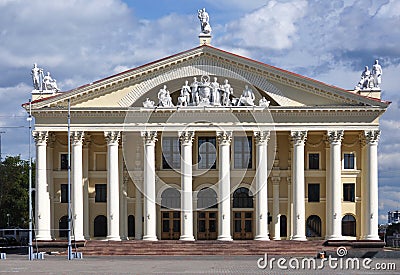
pixel 49 83
pixel 263 102
pixel 204 21
pixel 366 81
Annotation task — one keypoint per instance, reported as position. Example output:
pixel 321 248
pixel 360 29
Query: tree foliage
pixel 14 186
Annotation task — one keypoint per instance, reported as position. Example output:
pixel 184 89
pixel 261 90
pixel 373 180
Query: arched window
pixel 206 198
pixel 131 226
pixel 63 227
pixel 171 199
pixel 349 225
pixel 283 222
pixel 100 226
pixel 242 198
pixel 313 226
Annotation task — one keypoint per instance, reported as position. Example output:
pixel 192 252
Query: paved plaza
pixel 18 264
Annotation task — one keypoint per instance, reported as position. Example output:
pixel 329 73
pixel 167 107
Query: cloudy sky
pixel 80 41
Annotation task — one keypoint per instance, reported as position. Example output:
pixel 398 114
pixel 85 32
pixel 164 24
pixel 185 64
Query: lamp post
pixel 30 247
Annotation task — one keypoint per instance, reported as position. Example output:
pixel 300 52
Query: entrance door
pixel 243 225
pixel 207 225
pixel 171 225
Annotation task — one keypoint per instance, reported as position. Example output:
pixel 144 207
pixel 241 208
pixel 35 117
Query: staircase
pixel 176 248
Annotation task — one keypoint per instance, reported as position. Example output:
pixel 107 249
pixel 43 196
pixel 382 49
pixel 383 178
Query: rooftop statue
pixel 247 97
pixel 164 98
pixel 36 73
pixel 43 82
pixel 204 21
pixel 377 74
pixel 370 79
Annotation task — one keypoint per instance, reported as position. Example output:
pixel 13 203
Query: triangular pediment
pixel 280 87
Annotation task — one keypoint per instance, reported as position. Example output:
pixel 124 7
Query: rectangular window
pixel 313 192
pixel 313 161
pixel 171 153
pixel 101 192
pixel 64 193
pixel 64 161
pixel 349 161
pixel 207 153
pixel 242 152
pixel 349 192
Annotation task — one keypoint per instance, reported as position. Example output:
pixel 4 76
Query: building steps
pixel 176 248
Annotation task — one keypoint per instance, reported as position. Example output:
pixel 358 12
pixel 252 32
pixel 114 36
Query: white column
pixel 262 139
pixel 42 215
pixel 49 167
pixel 86 225
pixel 276 221
pixel 112 139
pixel 138 211
pixel 224 188
pixel 335 195
pixel 77 185
pixel 371 185
pixel 299 230
pixel 123 207
pixel 186 139
pixel 328 191
pixel 149 187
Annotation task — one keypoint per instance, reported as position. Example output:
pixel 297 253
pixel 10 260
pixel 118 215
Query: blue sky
pixel 80 41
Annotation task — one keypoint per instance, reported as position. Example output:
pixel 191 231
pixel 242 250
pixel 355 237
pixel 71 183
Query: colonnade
pixel 148 208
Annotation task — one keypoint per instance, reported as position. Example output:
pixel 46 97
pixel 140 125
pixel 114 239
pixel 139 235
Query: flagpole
pixel 30 247
pixel 70 256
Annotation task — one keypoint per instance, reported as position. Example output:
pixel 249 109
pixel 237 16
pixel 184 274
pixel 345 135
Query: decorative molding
pixel 112 137
pixel 372 137
pixel 224 137
pixel 276 180
pixel 262 137
pixel 186 137
pixel 335 136
pixel 87 140
pixel 40 137
pixel 298 137
pixel 149 137
pixel 77 137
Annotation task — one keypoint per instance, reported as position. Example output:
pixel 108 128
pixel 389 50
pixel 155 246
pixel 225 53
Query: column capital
pixel 186 137
pixel 87 139
pixel 224 137
pixel 149 137
pixel 77 137
pixel 276 180
pixel 262 137
pixel 40 137
pixel 298 137
pixel 112 136
pixel 372 136
pixel 335 136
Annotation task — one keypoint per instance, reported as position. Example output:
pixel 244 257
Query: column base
pixel 225 238
pixel 150 238
pixel 77 238
pixel 139 237
pixel 299 238
pixel 87 238
pixel 187 238
pixel 276 238
pixel 371 237
pixel 334 237
pixel 261 238
pixel 43 238
pixel 113 238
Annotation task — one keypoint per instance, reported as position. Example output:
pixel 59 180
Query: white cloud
pixel 270 27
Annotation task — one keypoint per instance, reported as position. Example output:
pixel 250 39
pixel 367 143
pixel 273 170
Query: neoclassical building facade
pixel 206 144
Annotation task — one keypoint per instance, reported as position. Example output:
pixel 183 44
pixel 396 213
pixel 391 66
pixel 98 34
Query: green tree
pixel 14 184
